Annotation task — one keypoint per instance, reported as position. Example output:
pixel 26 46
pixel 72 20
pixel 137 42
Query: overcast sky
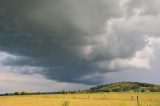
pixel 50 45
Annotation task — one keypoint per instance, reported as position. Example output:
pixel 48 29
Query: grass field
pixel 102 99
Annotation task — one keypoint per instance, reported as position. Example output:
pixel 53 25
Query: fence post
pixel 138 104
pixel 105 97
pixel 131 98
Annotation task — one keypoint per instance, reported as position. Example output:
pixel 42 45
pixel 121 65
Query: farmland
pixel 90 99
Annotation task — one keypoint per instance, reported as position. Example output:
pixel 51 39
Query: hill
pixel 126 87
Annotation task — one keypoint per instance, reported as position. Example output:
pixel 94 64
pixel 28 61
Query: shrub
pixel 65 103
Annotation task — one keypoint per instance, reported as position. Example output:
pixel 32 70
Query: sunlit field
pixel 102 99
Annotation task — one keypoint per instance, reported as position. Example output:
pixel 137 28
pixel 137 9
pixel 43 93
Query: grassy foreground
pixel 101 99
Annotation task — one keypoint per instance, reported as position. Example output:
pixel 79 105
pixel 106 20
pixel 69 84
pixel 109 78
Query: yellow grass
pixel 102 99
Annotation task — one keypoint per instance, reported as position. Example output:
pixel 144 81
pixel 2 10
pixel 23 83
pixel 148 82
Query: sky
pixel 52 45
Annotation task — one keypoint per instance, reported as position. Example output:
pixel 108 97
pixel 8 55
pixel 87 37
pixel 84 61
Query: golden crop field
pixel 101 99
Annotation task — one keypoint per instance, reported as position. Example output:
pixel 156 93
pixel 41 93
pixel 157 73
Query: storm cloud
pixel 69 40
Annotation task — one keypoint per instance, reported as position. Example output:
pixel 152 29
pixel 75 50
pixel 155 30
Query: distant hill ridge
pixel 126 87
pixel 113 87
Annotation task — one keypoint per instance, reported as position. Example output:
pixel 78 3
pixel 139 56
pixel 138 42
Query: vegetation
pixel 90 99
pixel 114 87
pixel 116 94
pixel 22 93
pixel 65 103
pixel 126 87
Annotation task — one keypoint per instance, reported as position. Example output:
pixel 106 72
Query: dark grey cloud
pixel 68 38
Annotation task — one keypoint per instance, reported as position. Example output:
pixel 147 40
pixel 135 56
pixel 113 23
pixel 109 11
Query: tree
pixel 16 93
pixel 22 93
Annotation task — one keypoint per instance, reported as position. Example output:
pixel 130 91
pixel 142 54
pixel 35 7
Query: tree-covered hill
pixel 126 87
